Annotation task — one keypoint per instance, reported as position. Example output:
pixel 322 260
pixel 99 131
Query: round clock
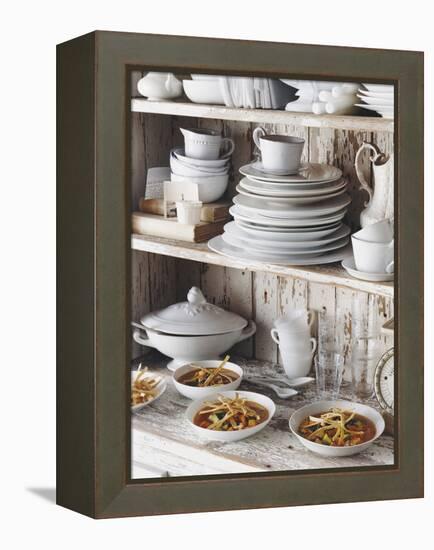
pixel 384 381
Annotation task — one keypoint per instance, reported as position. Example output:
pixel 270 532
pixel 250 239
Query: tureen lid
pixel 195 317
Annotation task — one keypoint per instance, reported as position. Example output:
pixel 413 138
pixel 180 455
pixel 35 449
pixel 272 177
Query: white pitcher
pixel 380 203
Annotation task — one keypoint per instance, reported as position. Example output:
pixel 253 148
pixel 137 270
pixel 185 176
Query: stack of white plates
pixel 377 98
pixel 292 219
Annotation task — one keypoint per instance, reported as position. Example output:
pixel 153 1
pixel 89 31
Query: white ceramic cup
pixel 296 364
pixel 200 143
pixel 373 257
pixel 295 320
pixel 294 342
pixel 280 154
pixel 188 212
pixel 380 232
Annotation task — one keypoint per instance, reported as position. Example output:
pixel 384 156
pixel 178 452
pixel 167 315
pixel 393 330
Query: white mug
pixel 280 154
pixel 373 257
pixel 294 342
pixel 379 232
pixel 201 143
pixel 296 364
pixel 295 320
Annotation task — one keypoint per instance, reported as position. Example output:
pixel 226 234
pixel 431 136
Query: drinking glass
pixel 365 354
pixel 329 368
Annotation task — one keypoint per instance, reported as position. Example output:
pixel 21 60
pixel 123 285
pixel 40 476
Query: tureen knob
pixel 195 296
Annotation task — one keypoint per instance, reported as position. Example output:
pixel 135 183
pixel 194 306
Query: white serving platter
pixel 309 172
pixel 282 190
pixel 292 241
pixel 217 244
pixel 376 100
pixel 280 247
pixel 270 208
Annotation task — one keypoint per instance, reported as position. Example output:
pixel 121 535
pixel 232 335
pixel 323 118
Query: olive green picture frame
pixel 93 413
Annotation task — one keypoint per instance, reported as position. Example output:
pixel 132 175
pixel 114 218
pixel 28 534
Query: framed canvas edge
pixel 113 495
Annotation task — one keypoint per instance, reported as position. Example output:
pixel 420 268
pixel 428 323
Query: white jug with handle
pixel 380 203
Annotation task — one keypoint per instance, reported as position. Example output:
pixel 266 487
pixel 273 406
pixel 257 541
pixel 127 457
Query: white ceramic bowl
pixel 321 406
pixel 160 388
pixel 204 77
pixel 211 188
pixel 203 91
pixel 220 163
pixel 263 400
pixel 198 393
pixel 187 349
pixel 183 169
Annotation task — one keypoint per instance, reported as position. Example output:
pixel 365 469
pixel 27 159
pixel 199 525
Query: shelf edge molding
pixel 327 274
pixel 339 122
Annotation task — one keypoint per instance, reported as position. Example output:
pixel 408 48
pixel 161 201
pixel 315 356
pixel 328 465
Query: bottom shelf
pixel 163 443
pixel 332 274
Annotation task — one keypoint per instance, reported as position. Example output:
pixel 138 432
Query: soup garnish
pixel 337 428
pixel 144 388
pixel 230 414
pixel 198 377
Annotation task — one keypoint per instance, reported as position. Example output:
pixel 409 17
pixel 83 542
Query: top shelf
pixel 339 122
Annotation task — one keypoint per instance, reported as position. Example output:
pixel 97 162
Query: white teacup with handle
pixel 373 257
pixel 297 363
pixel 280 154
pixel 205 144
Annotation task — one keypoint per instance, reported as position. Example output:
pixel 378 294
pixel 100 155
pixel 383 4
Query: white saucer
pixel 258 166
pixel 350 267
pixel 274 208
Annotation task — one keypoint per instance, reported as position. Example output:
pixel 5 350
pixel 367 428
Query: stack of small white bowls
pixel 204 160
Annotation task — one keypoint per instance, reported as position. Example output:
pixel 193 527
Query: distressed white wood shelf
pixel 339 122
pixel 332 274
pixel 163 443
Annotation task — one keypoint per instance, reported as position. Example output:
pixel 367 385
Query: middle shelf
pixel 332 274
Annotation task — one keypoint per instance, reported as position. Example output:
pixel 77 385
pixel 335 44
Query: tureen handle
pixel 195 296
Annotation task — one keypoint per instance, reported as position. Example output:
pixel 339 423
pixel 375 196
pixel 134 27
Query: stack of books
pixel 150 220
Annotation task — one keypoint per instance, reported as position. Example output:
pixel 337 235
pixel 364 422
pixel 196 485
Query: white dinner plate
pixel 290 233
pixel 385 111
pixel 350 267
pixel 292 241
pixel 291 190
pixel 387 88
pixel 281 190
pixel 217 244
pixel 247 216
pixel 383 102
pixel 383 95
pixel 270 252
pixel 290 200
pixel 309 172
pixel 271 208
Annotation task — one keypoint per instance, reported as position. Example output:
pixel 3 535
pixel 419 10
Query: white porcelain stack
pixel 288 219
pixel 205 160
pixel 377 98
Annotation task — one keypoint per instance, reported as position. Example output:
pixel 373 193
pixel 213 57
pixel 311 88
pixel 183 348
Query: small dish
pixel 192 392
pixel 203 91
pixel 160 389
pixel 321 406
pixel 237 435
pixel 350 267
